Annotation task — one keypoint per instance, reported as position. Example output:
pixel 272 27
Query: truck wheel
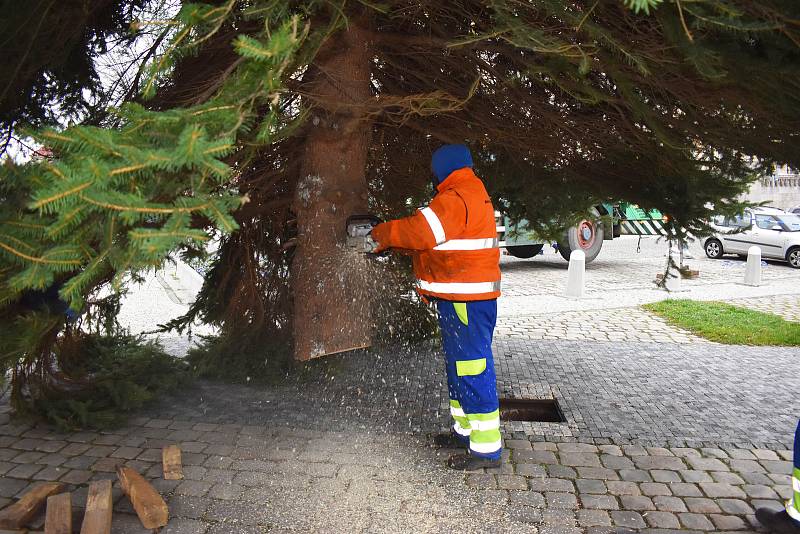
pixel 524 251
pixel 586 236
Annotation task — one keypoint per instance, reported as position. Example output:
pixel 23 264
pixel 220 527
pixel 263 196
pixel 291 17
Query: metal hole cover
pixel 538 410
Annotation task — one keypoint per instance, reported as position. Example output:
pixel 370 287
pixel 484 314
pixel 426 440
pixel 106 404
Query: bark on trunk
pixel 330 314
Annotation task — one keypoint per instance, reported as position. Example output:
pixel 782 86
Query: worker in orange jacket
pixel 457 264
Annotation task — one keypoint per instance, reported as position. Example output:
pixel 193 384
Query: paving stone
pixel 616 487
pixel 695 521
pixel 695 476
pixel 726 477
pixel 576 459
pixel 583 447
pixel 11 486
pixel 659 451
pixel 517 444
pixel 777 466
pixel 684 452
pixel 535 457
pixel 24 470
pixel 728 522
pixel 635 475
pixel 637 502
pixel 627 519
pixel 561 471
pixel 716 490
pixel 128 453
pixel 533 470
pixel 660 475
pixel 672 463
pixel 763 503
pixel 765 454
pixel 591 518
pixel 735 506
pixel 551 484
pixel 668 503
pixel 50 473
pixel 599 502
pixel 28 457
pixel 684 489
pixel 561 500
pixel 611 450
pixel 662 520
pixel 746 466
pixel 714 452
pixel 634 450
pixel 512 482
pixel 759 491
pixel 654 488
pixel 616 462
pixel 758 479
pixel 600 473
pixel 590 486
pixel 741 454
pixel 701 505
pixel 526 498
pixel 106 465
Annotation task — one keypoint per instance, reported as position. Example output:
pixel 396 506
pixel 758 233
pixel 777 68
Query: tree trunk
pixel 331 309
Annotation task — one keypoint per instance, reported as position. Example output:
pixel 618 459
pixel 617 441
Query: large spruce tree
pixel 266 123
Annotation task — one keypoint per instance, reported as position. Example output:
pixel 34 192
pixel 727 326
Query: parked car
pixel 795 209
pixel 775 231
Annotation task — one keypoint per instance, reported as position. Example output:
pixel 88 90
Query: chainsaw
pixel 359 228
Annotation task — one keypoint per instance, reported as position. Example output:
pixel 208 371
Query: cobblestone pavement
pixel 342 446
pixel 613 324
pixel 787 306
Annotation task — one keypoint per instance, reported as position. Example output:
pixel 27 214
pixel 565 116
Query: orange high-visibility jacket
pixel 453 241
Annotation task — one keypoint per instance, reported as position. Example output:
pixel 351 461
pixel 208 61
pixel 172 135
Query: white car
pixel 775 231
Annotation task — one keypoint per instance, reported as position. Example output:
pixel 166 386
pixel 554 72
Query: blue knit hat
pixel 449 158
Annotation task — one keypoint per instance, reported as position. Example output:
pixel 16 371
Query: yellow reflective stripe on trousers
pixel 461 425
pixel 485 437
pixel 793 506
pixel 462 288
pixel 435 225
pixel 461 311
pixel 470 367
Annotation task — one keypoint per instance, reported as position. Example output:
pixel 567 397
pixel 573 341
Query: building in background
pixel 781 190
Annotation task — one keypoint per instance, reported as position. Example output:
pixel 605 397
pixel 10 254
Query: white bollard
pixel 673 283
pixel 576 274
pixel 752 274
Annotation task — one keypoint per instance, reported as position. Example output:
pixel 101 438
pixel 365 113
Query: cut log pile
pixel 146 501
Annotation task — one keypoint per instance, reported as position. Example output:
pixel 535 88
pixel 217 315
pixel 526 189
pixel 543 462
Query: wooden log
pixel 22 511
pixel 59 514
pixel 97 518
pixel 171 460
pixel 149 506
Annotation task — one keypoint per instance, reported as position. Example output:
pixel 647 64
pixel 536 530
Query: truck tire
pixel 524 251
pixel 586 236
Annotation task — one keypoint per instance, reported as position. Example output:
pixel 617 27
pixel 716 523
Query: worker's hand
pixel 370 245
pixel 375 247
pixel 379 235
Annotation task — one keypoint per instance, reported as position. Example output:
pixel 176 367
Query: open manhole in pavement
pixel 536 410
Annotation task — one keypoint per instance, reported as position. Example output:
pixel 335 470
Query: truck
pixel 622 218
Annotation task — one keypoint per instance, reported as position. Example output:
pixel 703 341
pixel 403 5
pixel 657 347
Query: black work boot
pixel 777 521
pixel 467 462
pixel 449 440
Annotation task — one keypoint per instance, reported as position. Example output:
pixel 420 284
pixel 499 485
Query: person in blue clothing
pixel 786 521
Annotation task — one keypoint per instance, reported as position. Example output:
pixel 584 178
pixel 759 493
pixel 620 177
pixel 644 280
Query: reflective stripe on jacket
pixel 453 241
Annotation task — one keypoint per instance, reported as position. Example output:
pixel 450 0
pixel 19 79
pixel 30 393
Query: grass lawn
pixel 723 323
